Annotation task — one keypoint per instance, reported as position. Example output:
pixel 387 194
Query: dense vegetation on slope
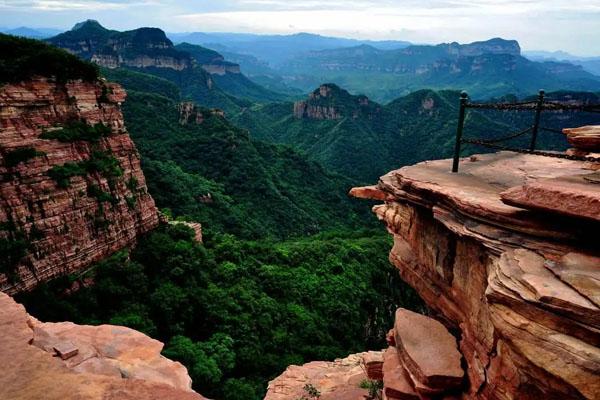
pixel 237 313
pixel 21 59
pixel 368 139
pixel 214 173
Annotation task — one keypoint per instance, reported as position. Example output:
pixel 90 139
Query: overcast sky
pixel 570 25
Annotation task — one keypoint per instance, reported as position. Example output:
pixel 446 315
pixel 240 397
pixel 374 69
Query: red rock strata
pixel 110 362
pixel 517 287
pixel 66 228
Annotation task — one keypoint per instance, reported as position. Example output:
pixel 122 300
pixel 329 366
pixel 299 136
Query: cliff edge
pixel 517 285
pixel 505 255
pixel 68 361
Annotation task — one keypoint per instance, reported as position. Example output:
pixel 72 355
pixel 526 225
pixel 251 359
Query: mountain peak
pixel 88 24
pixel 493 46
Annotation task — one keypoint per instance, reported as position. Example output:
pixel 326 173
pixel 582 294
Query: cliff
pixel 504 255
pixel 516 284
pixel 138 48
pixel 72 191
pixel 68 361
pixel 330 102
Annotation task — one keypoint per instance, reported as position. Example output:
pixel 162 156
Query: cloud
pixel 59 5
pixel 571 25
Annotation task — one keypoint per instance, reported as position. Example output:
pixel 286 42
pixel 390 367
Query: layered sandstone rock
pixel 428 352
pixel 64 229
pixel 517 287
pixel 584 138
pixel 335 380
pixel 108 362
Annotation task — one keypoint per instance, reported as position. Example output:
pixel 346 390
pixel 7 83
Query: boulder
pixel 428 352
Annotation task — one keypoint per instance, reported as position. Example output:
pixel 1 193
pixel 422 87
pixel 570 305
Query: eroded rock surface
pixel 585 137
pixel 335 380
pixel 517 287
pixel 93 214
pixel 112 362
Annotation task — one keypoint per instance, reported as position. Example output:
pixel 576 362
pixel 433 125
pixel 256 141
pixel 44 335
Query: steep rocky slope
pixel 68 361
pixel 72 191
pixel 517 287
pixel 512 291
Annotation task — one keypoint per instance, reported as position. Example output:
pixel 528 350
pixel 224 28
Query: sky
pixel 568 25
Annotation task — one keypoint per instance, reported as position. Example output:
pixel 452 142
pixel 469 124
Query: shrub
pixel 14 157
pixel 100 195
pixel 62 174
pixel 104 163
pixel 78 130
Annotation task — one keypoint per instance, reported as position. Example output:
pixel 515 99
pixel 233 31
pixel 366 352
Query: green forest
pixel 237 312
pixel 291 269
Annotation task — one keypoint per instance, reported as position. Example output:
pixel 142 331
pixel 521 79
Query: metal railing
pixel 538 105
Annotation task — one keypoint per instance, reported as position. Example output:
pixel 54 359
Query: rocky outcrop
pixel 141 61
pixel 330 102
pixel 302 109
pixel 517 287
pixel 66 201
pixel 221 68
pixel 67 361
pixel 585 138
pixel 194 226
pixel 336 380
pixel 190 113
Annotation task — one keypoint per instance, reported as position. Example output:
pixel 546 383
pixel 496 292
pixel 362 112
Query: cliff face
pixel 138 48
pixel 504 254
pixel 72 191
pixel 517 286
pixel 67 361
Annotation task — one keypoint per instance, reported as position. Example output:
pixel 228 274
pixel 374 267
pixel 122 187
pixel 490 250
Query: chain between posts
pixel 538 106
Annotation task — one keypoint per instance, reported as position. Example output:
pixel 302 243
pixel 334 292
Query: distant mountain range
pixel 33 33
pixel 277 49
pixel 231 71
pixel 485 69
pixel 385 70
pixel 590 64
pixel 201 74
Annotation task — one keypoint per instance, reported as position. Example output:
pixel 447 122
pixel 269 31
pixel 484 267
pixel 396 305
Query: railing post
pixel 536 121
pixel 459 129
